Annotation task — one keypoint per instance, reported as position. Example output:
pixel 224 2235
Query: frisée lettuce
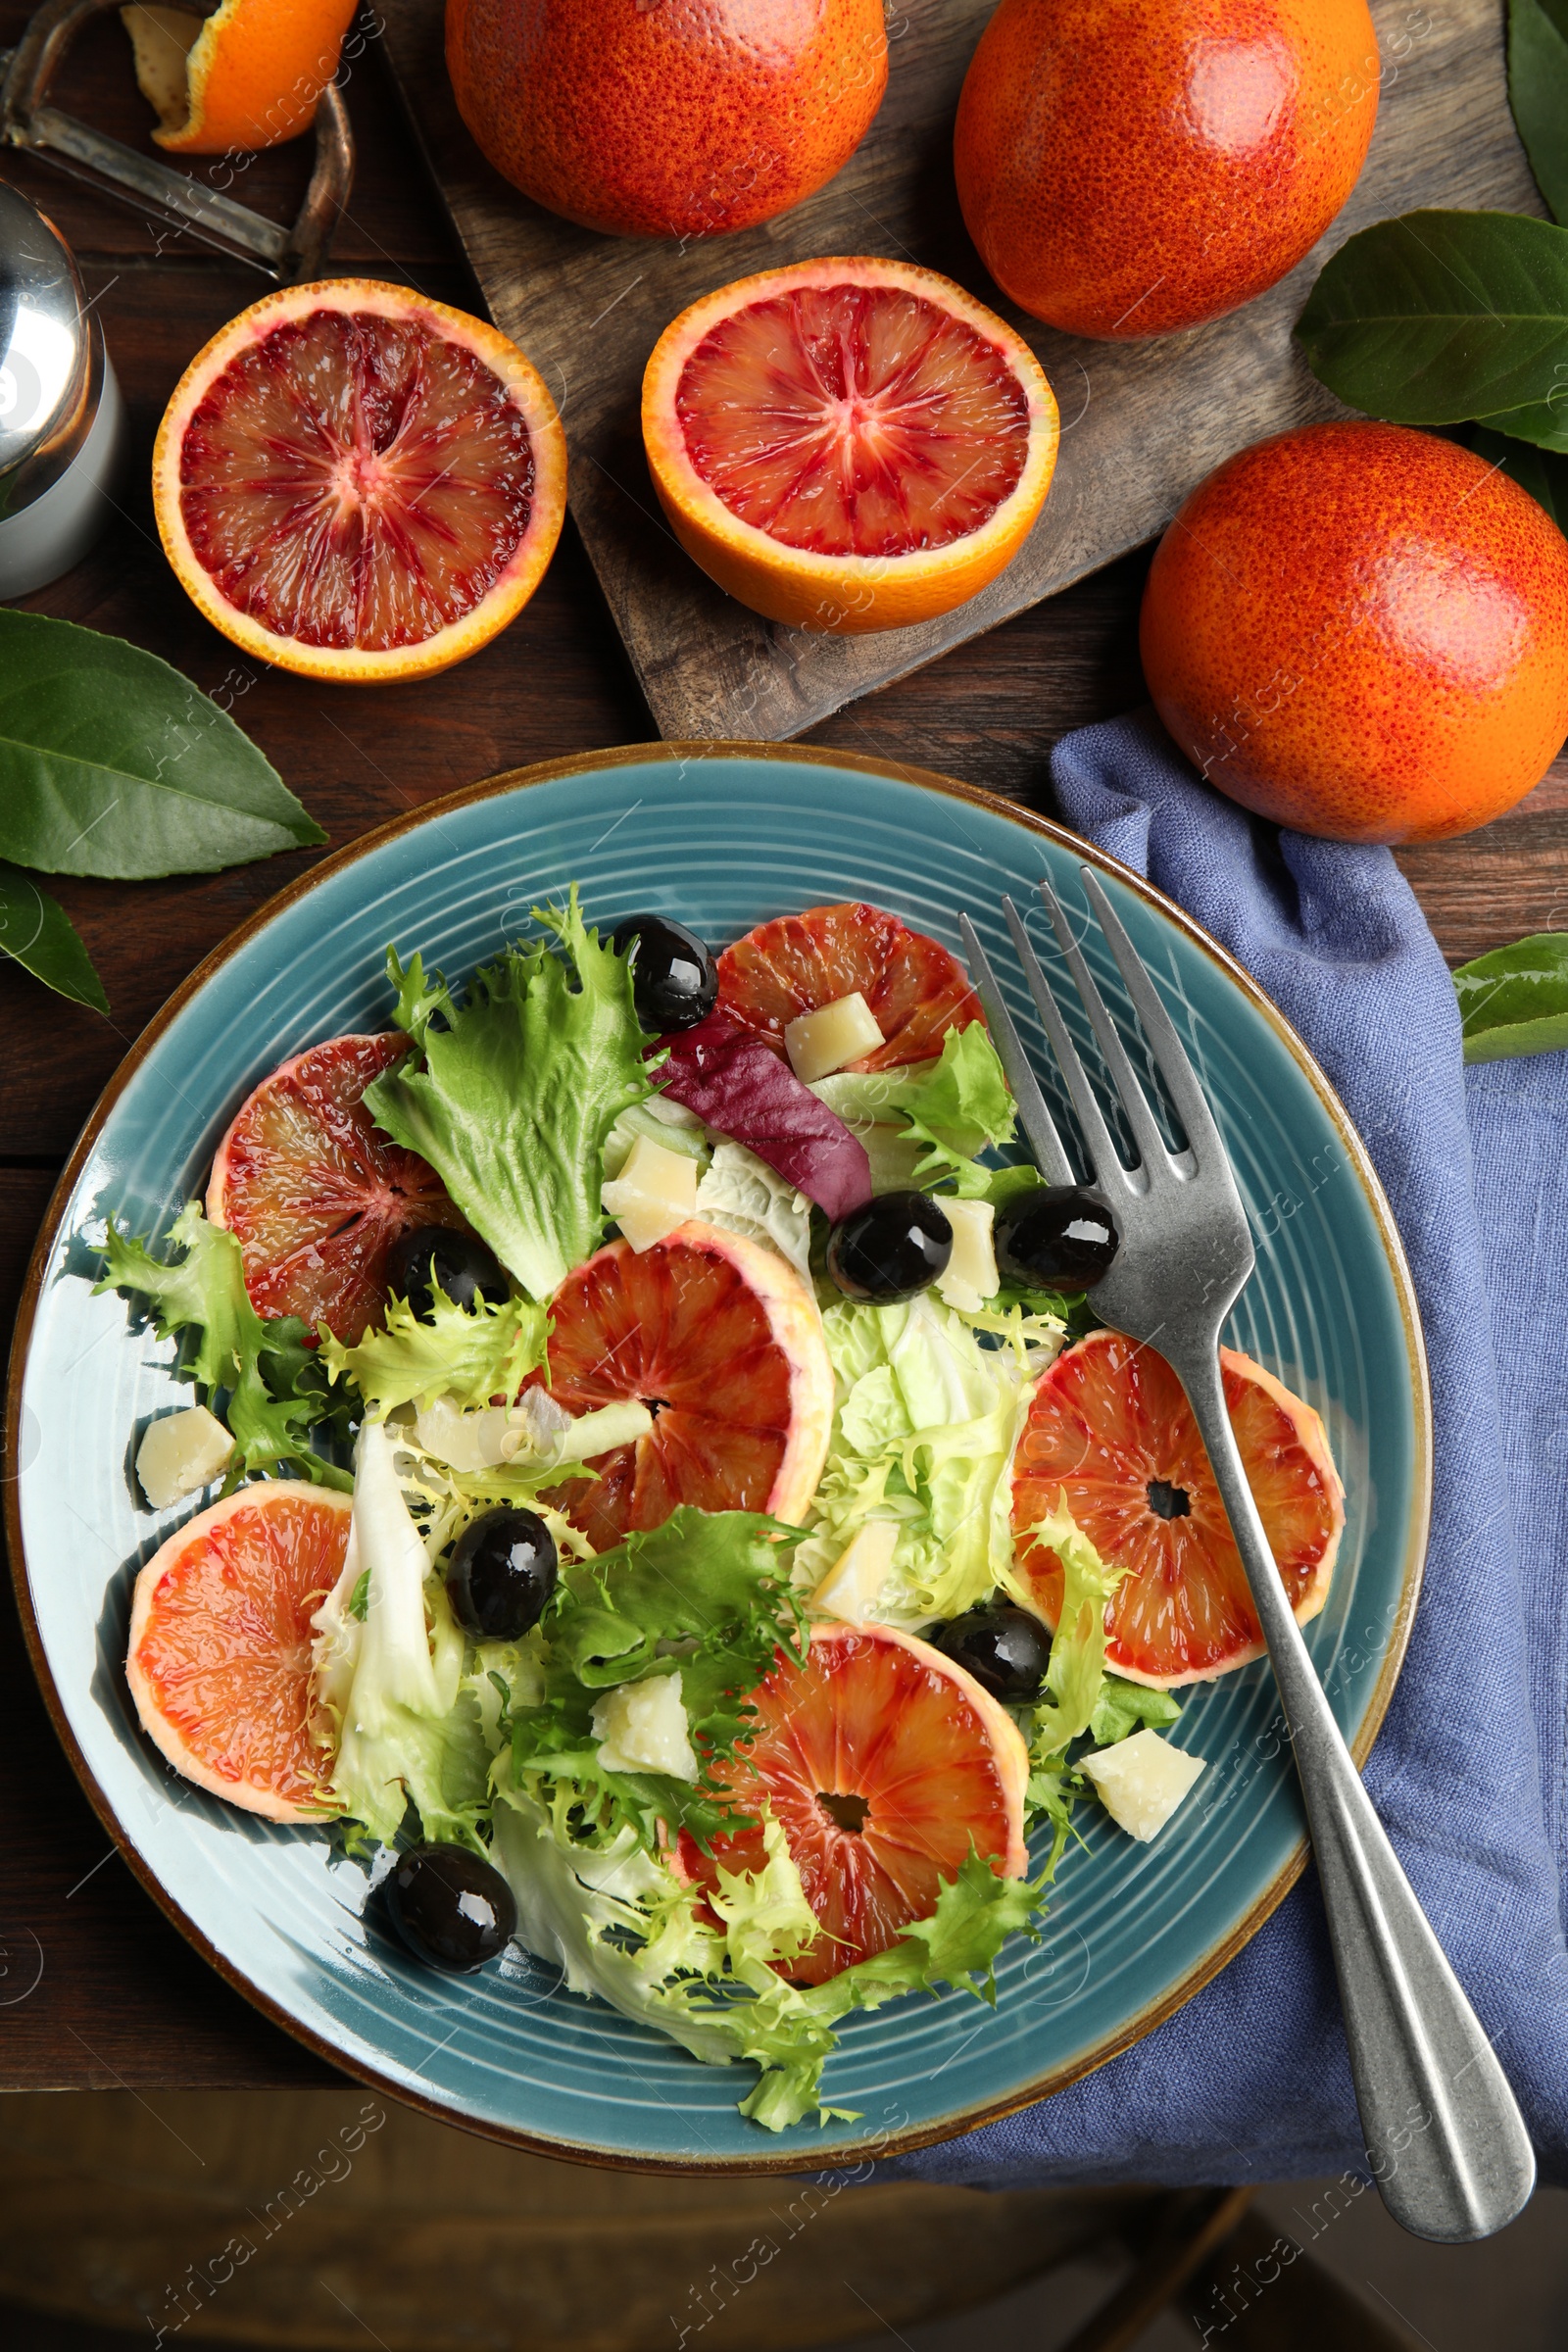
pixel 926 1123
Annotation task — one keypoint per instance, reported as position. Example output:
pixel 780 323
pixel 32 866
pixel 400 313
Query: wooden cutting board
pixel 1142 421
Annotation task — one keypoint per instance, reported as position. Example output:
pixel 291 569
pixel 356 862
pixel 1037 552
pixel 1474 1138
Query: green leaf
pixel 938 1114
pixel 469 1353
pixel 1540 471
pixel 1439 318
pixel 112 763
pixel 1538 92
pixel 1515 1001
pixel 517 1093
pixel 36 932
pixel 1123 1707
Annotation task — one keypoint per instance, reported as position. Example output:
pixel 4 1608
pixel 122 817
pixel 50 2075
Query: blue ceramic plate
pixel 721 838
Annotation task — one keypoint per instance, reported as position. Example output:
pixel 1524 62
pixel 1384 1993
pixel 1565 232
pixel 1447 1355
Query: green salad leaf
pixel 36 932
pixel 517 1090
pixel 1076 1675
pixel 1124 1707
pixel 925 1123
pixel 469 1353
pixel 1515 1000
pixel 1538 92
pixel 265 1365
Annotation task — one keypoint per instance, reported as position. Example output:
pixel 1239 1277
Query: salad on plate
pixel 677 1507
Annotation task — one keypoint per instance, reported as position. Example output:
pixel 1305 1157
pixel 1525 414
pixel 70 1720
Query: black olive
pixel 1060 1237
pixel 891 1248
pixel 1004 1648
pixel 451 1910
pixel 427 1255
pixel 501 1574
pixel 674 980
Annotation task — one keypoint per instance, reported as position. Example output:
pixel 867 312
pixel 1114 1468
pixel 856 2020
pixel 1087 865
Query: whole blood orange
pixel 1109 1431
pixel 724 1343
pixel 848 445
pixel 360 484
pixel 1131 167
pixel 316 1196
pixel 884 1764
pixel 220 1654
pixel 915 990
pixel 668 118
pixel 1362 632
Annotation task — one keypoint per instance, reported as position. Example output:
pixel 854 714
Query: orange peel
pixel 249 75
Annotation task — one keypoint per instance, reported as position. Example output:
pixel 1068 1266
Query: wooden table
pixel 120 1998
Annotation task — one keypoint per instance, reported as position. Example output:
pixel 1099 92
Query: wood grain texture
pixel 1143 422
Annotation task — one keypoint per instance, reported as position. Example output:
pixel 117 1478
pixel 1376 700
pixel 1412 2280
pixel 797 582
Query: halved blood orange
pixel 848 445
pixel 724 1343
pixel 915 990
pixel 1109 1430
pixel 220 1653
pixel 315 1194
pixel 883 1763
pixel 356 483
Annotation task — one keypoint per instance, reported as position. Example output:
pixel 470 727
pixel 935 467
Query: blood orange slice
pixel 724 1343
pixel 220 1654
pixel 796 964
pixel 316 1196
pixel 1110 1431
pixel 882 1762
pixel 848 445
pixel 356 483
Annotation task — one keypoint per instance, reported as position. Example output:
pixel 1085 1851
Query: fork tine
pixel 1109 1171
pixel 1033 1117
pixel 1170 1055
pixel 1139 1118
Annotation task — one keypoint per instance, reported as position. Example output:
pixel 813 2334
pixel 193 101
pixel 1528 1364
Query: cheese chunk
pixel 1141 1781
pixel 655 1192
pixel 822 1042
pixel 971 1276
pixel 642 1726
pixel 181 1454
pixel 852 1586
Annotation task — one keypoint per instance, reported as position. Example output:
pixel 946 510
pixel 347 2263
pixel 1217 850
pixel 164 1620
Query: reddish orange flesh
pixel 854 421
pixel 876 1721
pixel 316 1196
pixel 225 1655
pixel 353 480
pixel 1108 1422
pixel 916 990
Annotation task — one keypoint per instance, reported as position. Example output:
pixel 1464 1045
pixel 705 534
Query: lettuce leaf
pixel 265 1365
pixel 1076 1674
pixel 925 1123
pixel 1124 1707
pixel 744 1194
pixel 469 1354
pixel 519 1089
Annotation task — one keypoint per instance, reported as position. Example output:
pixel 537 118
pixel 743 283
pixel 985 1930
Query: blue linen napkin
pixel 1250 2080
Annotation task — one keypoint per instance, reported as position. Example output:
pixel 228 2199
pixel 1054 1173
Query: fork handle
pixel 1445 2137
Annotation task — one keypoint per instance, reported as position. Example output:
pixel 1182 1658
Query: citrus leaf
pixel 1540 471
pixel 1438 318
pixel 113 764
pixel 1515 1001
pixel 36 932
pixel 1538 92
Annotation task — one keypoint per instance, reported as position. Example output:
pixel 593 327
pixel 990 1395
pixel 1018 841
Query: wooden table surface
pixel 95 1986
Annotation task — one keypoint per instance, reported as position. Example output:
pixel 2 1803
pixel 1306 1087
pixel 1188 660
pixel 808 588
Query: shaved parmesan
pixel 655 1192
pixel 971 1276
pixel 822 1042
pixel 853 1587
pixel 1141 1781
pixel 642 1726
pixel 181 1454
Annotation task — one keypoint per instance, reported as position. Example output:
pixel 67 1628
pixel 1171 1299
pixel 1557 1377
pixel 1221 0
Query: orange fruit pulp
pixel 1109 1431
pixel 913 989
pixel 315 1194
pixel 883 1763
pixel 724 1343
pixel 848 445
pixel 356 483
pixel 220 1652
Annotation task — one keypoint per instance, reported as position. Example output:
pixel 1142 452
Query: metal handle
pixel 1444 2139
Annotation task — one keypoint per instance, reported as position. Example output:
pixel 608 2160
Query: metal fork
pixel 1444 2134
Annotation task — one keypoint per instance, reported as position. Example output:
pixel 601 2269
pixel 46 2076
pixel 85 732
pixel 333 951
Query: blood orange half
pixel 356 483
pixel 220 1653
pixel 724 1343
pixel 915 990
pixel 316 1196
pixel 1109 1430
pixel 848 445
pixel 883 1763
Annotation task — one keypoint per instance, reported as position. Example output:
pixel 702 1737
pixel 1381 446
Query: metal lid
pixel 49 369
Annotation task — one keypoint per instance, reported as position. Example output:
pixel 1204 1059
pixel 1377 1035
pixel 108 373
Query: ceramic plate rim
pixel 1219 1954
